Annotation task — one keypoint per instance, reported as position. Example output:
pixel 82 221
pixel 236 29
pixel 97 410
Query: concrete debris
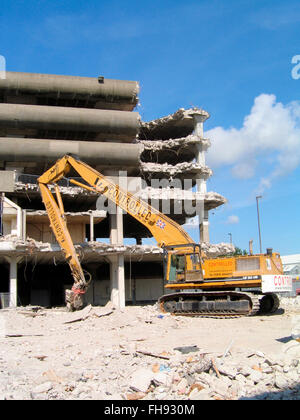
pixel 80 315
pixel 180 115
pixel 103 248
pixel 103 360
pixel 95 213
pixel 212 199
pixel 11 243
pixel 173 170
pixel 291 303
pixel 159 145
pixel 175 126
pixel 89 311
pixel 216 250
pixel 149 193
pixel 187 349
pixel 70 191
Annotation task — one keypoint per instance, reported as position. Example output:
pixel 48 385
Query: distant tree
pixel 239 251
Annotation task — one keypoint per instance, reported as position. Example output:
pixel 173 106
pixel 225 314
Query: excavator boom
pixel 225 287
pixel 164 230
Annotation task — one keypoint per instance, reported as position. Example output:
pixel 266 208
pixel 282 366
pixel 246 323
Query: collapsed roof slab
pixel 41 216
pixel 42 152
pixel 67 123
pixel 75 199
pixel 92 252
pixel 211 199
pixel 73 91
pixel 183 170
pixel 214 200
pixel 173 151
pixel 177 125
pixel 79 199
pixel 178 143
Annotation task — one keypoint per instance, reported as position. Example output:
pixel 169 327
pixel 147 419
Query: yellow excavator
pixel 195 288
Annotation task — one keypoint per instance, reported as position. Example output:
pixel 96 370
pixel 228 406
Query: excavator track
pixel 224 304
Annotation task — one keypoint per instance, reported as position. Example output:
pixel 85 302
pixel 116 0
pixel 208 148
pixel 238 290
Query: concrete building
pixel 43 117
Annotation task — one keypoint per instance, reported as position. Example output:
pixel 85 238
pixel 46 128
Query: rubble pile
pixel 158 145
pixel 198 376
pixel 216 250
pixel 174 170
pixel 291 303
pixel 141 354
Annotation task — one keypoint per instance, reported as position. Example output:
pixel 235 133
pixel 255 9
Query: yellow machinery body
pixel 202 286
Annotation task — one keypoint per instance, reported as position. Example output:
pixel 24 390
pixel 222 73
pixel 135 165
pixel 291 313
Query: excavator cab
pixel 182 263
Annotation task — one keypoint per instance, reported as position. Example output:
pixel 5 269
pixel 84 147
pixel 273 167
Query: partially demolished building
pixel 43 117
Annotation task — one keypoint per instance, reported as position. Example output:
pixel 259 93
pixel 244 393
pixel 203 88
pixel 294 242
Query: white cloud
pixel 233 220
pixel 244 170
pixel 271 132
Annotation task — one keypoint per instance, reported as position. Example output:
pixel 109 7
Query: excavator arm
pixel 167 233
pixel 218 293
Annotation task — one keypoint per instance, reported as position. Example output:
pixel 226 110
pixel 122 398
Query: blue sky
pixel 233 58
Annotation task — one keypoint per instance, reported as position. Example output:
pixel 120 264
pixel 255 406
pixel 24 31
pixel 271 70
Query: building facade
pixel 42 118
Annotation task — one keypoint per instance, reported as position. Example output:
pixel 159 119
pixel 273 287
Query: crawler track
pixel 225 304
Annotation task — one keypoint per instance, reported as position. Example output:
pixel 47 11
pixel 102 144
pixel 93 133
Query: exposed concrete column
pixel 204 228
pixel 201 182
pixel 116 227
pixel 92 230
pixel 13 281
pixel 117 273
pixel 117 281
pixel 24 230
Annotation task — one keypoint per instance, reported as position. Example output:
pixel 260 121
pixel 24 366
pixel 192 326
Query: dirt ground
pixel 48 354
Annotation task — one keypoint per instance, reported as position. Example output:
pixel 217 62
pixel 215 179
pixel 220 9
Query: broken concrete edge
pixel 180 114
pixel 70 191
pixel 212 199
pixel 149 193
pixel 95 213
pixel 90 311
pixel 11 243
pixel 173 170
pixel 159 145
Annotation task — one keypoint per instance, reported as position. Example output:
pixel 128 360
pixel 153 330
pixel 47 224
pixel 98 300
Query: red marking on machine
pixel 278 283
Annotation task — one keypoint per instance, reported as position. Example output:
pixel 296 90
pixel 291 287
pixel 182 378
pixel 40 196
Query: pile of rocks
pixel 198 376
pixel 290 302
pixel 185 374
pixel 106 354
